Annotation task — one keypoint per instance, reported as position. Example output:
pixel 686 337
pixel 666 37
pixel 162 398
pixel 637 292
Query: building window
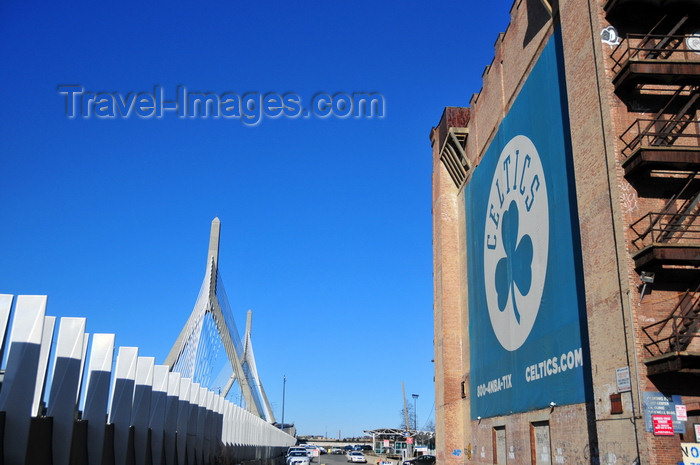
pixel 540 444
pixel 499 445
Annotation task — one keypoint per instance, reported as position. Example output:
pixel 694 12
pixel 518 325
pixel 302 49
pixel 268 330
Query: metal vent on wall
pixel 453 156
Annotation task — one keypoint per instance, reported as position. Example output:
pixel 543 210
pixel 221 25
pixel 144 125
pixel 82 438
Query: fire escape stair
pixel 672 236
pixel 655 59
pixel 670 343
pixel 617 8
pixel 664 144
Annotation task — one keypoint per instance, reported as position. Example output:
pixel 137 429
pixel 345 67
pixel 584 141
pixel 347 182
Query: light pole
pixel 284 386
pixel 415 412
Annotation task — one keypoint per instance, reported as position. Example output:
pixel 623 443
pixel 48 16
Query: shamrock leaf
pixel 515 269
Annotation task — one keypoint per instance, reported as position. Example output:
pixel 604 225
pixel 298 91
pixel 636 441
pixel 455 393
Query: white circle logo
pixel 693 42
pixel 516 242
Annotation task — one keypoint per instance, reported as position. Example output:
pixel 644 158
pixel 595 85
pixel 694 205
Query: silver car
pixel 298 457
pixel 356 456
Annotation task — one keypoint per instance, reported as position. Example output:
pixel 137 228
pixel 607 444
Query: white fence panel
pixel 97 393
pixel 156 423
pixel 141 408
pixel 86 341
pixel 201 419
pixel 192 422
pixel 122 398
pixel 44 351
pixel 169 438
pixel 17 394
pixel 65 381
pixel 5 307
pixel 183 418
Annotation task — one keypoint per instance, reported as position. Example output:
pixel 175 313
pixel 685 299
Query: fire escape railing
pixel 674 223
pixel 666 131
pixel 660 132
pixel 666 228
pixel 685 321
pixel 652 47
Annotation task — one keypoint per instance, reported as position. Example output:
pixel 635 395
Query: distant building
pixel 567 241
pixel 401 443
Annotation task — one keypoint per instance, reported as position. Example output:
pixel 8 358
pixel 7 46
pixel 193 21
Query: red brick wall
pixel 607 205
pixel 448 270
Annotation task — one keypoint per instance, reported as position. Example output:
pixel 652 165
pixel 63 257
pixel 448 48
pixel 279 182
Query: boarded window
pixel 540 443
pixel 499 445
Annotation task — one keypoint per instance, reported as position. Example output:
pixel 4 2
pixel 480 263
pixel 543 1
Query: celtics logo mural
pixel 516 228
pixel 526 342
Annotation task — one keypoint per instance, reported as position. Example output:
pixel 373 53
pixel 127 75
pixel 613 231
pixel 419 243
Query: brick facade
pixel 609 200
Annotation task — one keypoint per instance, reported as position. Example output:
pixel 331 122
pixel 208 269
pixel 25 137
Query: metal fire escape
pixel 661 158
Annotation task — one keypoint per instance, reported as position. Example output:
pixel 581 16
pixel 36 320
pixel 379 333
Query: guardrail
pixel 138 412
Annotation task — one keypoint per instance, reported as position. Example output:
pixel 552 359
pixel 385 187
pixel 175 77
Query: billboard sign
pixel 523 256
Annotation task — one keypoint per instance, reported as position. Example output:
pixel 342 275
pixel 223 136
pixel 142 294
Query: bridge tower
pixel 210 324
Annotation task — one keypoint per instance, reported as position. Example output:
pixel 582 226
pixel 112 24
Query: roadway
pixel 331 459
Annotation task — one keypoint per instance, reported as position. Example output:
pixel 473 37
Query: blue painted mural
pixel 525 301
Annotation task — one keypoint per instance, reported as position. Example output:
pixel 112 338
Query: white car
pixel 356 456
pixel 313 447
pixel 298 457
pixel 314 451
pixel 296 448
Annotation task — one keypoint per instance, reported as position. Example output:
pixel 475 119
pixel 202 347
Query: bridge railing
pixel 138 412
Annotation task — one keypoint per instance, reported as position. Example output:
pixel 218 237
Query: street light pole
pixel 284 386
pixel 415 412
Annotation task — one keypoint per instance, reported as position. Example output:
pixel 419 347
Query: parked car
pixel 297 448
pixel 356 456
pixel 298 457
pixel 312 447
pixel 421 460
pixel 337 451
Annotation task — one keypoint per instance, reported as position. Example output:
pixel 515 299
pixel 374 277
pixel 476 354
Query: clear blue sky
pixel 326 222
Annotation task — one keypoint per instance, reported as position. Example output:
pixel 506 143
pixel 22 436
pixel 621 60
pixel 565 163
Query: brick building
pixel 567 242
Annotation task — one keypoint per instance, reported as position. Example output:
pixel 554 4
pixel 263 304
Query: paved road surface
pixel 330 459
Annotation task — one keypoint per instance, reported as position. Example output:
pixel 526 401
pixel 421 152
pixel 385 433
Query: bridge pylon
pixel 212 319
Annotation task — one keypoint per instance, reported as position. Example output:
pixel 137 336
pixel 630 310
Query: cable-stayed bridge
pixel 98 409
pixel 211 329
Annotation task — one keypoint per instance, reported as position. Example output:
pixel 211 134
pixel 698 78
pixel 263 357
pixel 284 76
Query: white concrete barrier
pixel 181 418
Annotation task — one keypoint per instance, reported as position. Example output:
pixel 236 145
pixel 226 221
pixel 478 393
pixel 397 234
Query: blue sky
pixel 326 222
